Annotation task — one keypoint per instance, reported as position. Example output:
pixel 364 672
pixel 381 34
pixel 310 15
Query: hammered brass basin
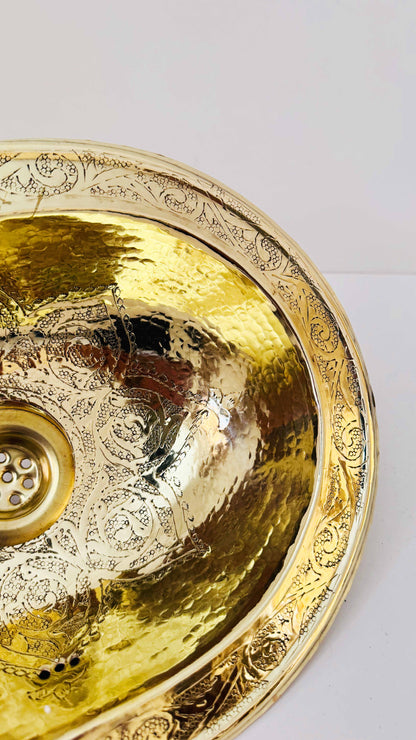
pixel 193 426
pixel 159 449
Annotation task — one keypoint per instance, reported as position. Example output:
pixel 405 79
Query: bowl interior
pixel 190 413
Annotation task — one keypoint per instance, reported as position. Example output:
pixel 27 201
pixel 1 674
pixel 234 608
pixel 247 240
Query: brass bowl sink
pixel 187 450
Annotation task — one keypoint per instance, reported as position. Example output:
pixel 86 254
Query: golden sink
pixel 187 450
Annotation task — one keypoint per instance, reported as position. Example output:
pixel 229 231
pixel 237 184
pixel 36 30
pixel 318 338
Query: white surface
pixel 306 107
pixel 360 683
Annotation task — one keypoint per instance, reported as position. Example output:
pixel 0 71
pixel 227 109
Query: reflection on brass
pixel 183 458
pixel 36 472
pixel 191 419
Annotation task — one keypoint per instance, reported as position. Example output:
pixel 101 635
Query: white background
pixel 308 109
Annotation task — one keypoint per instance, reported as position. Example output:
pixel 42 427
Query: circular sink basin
pixel 187 449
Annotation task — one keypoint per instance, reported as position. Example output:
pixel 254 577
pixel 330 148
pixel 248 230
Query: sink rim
pixel 187 183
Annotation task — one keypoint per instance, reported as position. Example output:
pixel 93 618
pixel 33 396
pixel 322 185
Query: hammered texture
pixel 191 415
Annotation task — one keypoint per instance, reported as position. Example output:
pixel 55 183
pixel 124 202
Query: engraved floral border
pixel 42 177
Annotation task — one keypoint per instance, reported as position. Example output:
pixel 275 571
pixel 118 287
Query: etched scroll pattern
pixel 67 362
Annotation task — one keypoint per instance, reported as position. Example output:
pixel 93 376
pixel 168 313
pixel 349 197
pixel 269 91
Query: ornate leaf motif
pixel 49 174
pixel 70 363
pixel 157 727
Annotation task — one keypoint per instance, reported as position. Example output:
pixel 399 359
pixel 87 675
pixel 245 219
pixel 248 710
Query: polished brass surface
pixel 186 451
pixel 36 472
pixel 192 422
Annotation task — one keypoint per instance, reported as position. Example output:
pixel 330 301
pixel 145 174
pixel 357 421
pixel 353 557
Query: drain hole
pixel 45 673
pixel 28 483
pixel 7 476
pixel 3 457
pixel 25 463
pixel 15 499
